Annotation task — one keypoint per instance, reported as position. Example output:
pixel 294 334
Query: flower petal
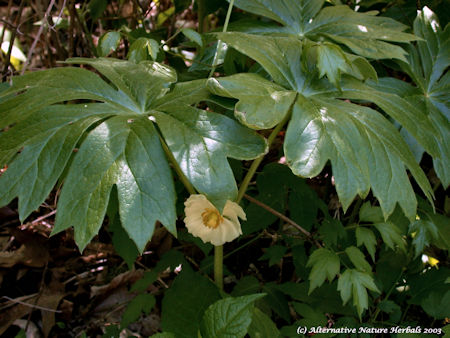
pixel 228 229
pixel 233 209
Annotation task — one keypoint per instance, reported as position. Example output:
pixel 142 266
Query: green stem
pixel 355 211
pixel 404 313
pixel 244 245
pixel 218 266
pixel 206 266
pixel 219 42
pixel 201 15
pixel 218 250
pixel 257 162
pixel 377 311
pixel 189 187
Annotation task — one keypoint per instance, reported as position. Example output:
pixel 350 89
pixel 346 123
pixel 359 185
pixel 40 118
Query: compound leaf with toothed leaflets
pixel 423 233
pixel 325 265
pixel 391 235
pixel 354 283
pixel 357 258
pixel 108 42
pixel 367 237
pixel 118 144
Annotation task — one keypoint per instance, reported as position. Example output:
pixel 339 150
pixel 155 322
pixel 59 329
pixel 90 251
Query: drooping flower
pixel 203 220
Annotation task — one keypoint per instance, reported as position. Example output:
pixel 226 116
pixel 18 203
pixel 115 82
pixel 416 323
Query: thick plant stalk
pixel 11 41
pixel 189 187
pixel 201 15
pixel 257 162
pixel 219 42
pixel 218 266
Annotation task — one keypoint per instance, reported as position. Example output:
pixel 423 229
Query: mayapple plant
pixel 126 138
pixel 124 129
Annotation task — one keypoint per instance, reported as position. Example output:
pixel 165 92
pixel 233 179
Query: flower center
pixel 211 218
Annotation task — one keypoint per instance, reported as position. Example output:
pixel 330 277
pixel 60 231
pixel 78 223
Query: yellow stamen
pixel 211 218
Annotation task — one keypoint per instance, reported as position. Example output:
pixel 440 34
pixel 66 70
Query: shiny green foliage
pixel 427 65
pixel 328 32
pixel 118 145
pixel 365 149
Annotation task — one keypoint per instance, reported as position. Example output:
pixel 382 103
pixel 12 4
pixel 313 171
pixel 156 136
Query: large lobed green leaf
pixel 127 153
pixel 365 149
pixel 331 27
pixel 47 142
pixel 118 144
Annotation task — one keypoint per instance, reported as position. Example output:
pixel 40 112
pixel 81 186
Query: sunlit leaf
pixel 365 149
pixel 119 144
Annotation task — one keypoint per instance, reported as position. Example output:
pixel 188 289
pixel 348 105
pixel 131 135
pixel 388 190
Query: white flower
pixel 204 220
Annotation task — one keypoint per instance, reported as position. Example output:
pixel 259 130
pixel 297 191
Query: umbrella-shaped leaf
pixel 263 104
pixel 365 149
pixel 429 100
pixel 48 143
pixel 201 141
pixel 118 144
pixel 365 34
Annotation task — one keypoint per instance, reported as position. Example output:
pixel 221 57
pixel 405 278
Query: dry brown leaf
pixel 9 315
pixel 52 296
pixel 47 303
pixel 30 254
pixel 128 277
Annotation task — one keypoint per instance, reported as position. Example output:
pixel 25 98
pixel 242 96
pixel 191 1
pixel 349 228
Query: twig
pixel 11 41
pixel 52 27
pixel 37 220
pixel 31 305
pixel 2 35
pixel 284 218
pixel 38 36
